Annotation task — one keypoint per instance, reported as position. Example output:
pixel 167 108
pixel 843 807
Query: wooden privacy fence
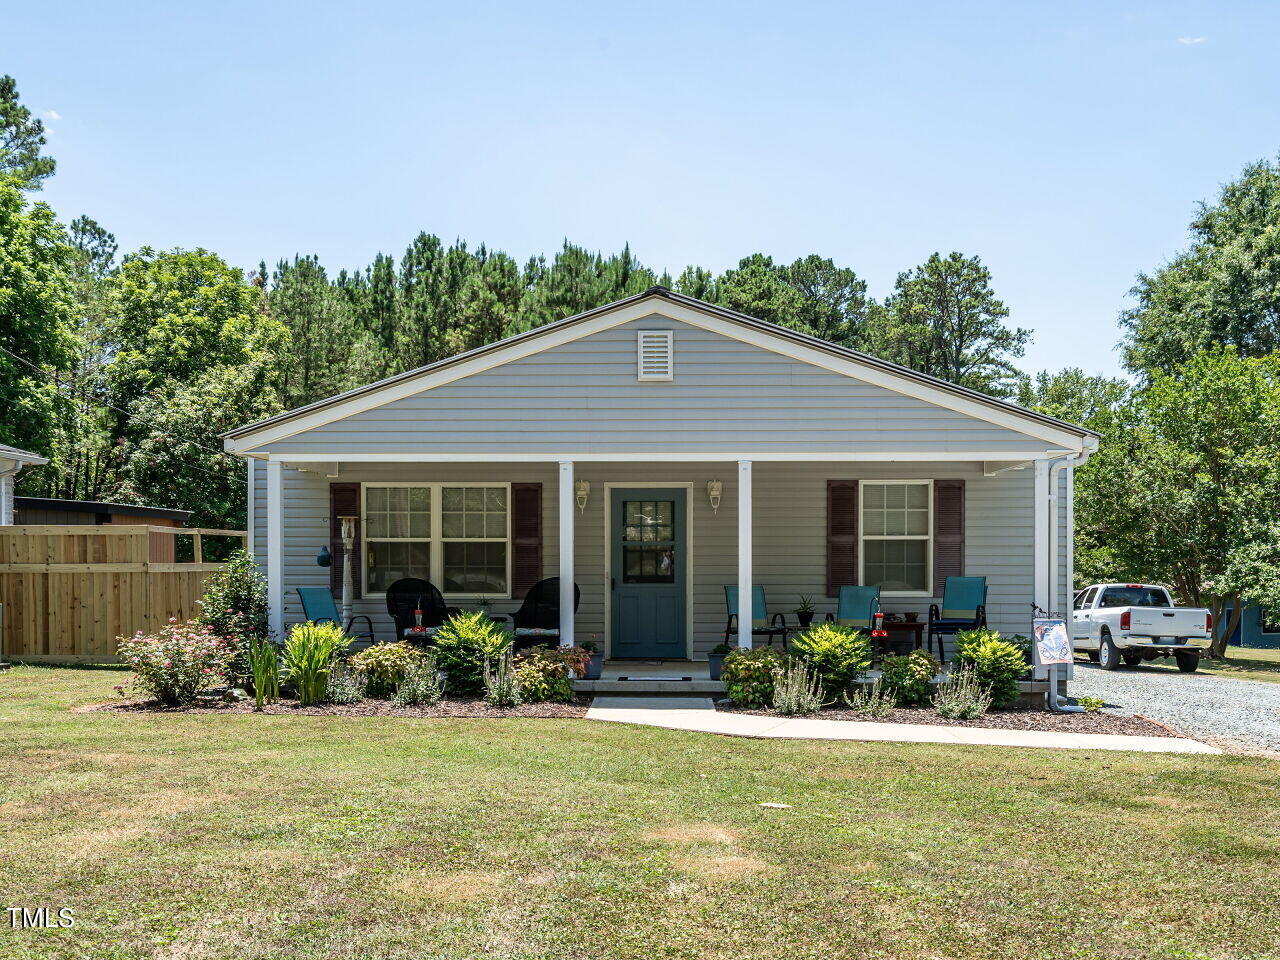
pixel 69 591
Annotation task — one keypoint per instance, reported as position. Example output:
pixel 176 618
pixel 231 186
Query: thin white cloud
pixel 52 115
pixel 1191 41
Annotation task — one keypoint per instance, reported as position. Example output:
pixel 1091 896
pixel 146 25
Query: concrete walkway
pixel 699 714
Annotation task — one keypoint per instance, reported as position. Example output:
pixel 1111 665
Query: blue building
pixel 1258 628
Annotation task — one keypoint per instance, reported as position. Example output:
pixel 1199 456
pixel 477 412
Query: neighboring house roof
pixel 778 338
pixel 99 506
pixel 21 456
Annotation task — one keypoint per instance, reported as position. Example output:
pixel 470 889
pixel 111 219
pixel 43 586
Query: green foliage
pixel 235 604
pixel 811 295
pixel 543 674
pixel 945 320
pixel 21 140
pixel 308 656
pixel 176 662
pixel 909 679
pixel 501 684
pixel 385 665
pixel 876 702
pixel 748 676
pixel 1091 704
pixel 1224 290
pixel 463 644
pixel 996 663
pixel 962 696
pixel 346 685
pixel 797 689
pixel 839 654
pixel 36 310
pixel 421 686
pixel 264 667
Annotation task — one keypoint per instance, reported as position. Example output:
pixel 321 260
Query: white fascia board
pixel 899 383
pixel 993 468
pixel 681 456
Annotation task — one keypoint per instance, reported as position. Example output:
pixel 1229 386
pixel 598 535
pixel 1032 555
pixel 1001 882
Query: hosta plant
pixel 178 661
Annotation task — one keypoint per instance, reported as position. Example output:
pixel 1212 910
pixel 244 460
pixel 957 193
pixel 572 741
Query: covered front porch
pixel 656 543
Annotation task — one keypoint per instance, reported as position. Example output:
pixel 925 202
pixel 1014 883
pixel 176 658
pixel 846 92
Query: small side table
pixel 902 627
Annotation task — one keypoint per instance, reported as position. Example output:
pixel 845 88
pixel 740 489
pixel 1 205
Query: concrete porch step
pixel 650 685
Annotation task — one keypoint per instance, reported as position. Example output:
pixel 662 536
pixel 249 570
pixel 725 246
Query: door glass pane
pixel 648 564
pixel 649 521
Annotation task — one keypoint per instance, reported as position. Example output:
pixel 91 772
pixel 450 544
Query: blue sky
pixel 1065 144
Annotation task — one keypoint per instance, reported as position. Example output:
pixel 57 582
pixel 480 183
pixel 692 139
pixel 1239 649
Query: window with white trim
pixel 896 533
pixel 457 536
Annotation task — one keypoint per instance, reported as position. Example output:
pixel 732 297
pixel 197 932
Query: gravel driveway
pixel 1198 704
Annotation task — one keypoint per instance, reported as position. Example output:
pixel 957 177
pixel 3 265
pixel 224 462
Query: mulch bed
pixel 1013 718
pixel 460 709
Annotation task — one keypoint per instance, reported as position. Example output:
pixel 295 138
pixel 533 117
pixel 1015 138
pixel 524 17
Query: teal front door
pixel 648 576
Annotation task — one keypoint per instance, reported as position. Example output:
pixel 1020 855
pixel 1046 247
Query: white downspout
pixel 1053 697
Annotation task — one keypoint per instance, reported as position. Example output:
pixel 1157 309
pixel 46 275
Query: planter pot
pixel 806 620
pixel 594 667
pixel 715 665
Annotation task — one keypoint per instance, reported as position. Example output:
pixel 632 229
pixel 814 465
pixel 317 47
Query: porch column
pixel 275 547
pixel 566 553
pixel 744 555
pixel 1042 539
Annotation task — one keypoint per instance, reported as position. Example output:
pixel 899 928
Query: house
pixel 11 461
pixel 46 510
pixel 1258 628
pixel 678 447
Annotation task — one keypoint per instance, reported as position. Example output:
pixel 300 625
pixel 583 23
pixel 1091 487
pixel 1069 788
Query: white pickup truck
pixel 1138 621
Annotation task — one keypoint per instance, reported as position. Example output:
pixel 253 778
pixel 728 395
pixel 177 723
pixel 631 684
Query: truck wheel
pixel 1131 657
pixel 1108 653
pixel 1187 662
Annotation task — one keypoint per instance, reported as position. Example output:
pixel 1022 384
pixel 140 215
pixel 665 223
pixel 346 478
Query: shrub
pixel 748 676
pixel 345 685
pixel 264 666
pixel 543 674
pixel 384 665
pixel 420 686
pixel 308 657
pixel 909 679
pixel 463 645
pixel 797 689
pixel 996 662
pixel 839 654
pixel 962 696
pixel 876 702
pixel 501 685
pixel 234 605
pixel 1091 704
pixel 178 661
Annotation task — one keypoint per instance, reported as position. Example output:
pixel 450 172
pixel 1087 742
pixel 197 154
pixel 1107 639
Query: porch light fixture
pixel 714 491
pixel 581 490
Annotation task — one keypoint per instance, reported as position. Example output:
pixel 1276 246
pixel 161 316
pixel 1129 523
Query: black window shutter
pixel 344 501
pixel 948 532
pixel 842 535
pixel 526 537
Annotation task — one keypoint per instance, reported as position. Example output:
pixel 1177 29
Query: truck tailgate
pixel 1163 622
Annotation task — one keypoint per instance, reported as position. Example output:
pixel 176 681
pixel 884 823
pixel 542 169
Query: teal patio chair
pixel 964 607
pixel 857 607
pixel 762 625
pixel 318 607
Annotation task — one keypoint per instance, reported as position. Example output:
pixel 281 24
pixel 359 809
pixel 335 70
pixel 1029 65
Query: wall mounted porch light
pixel 714 491
pixel 581 490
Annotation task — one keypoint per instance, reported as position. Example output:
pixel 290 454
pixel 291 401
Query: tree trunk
pixel 1223 628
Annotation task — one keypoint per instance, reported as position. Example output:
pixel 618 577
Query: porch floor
pixel 665 677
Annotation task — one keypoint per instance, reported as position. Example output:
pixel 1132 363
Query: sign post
pixel 1053 659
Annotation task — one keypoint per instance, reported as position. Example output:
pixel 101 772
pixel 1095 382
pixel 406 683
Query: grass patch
pixel 1240 663
pixel 269 836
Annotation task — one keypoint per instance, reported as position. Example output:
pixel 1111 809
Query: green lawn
pixel 1241 663
pixel 246 837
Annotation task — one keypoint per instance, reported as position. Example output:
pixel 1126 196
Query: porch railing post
pixel 275 547
pixel 566 553
pixel 744 555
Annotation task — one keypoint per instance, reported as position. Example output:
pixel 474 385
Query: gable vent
pixel 655 355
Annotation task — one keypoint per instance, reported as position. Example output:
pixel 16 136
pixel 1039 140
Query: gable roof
pixel 771 336
pixel 21 456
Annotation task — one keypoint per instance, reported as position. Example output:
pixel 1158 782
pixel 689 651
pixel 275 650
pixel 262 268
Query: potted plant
pixel 804 612
pixel 715 659
pixel 596 663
